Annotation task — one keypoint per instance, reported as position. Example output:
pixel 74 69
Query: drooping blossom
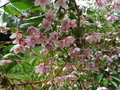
pixel 44 51
pixel 89 39
pixel 69 40
pixel 3 62
pixel 42 68
pixel 65 25
pixel 61 43
pixel 71 23
pixel 67 66
pixel 33 31
pixel 46 24
pixel 96 37
pixel 31 41
pixel 111 19
pixel 106 57
pixel 41 39
pixel 20 41
pixel 98 53
pixel 60 79
pixel 42 3
pixel 101 3
pixel 61 3
pixel 74 51
pixel 49 46
pixel 114 57
pixel 31 53
pixel 53 36
pixel 49 15
pixel 17 35
pixel 116 4
pixel 17 48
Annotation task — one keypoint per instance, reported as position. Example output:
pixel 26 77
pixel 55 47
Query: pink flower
pixel 101 3
pixel 65 25
pixel 73 51
pixel 53 36
pixel 42 68
pixel 44 51
pixel 114 57
pixel 31 41
pixel 17 48
pixel 116 4
pixel 49 15
pixel 106 57
pixel 61 43
pixel 32 54
pixel 3 62
pixel 17 35
pixel 33 31
pixel 67 67
pixel 111 19
pixel 41 39
pixel 61 3
pixel 46 24
pixel 69 40
pixel 20 41
pixel 96 37
pixel 72 23
pixel 42 3
pixel 89 39
pixel 49 46
pixel 72 77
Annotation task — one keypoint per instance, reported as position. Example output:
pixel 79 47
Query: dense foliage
pixel 60 44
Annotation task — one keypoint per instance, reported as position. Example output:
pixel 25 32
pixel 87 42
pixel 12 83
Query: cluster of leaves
pixel 90 70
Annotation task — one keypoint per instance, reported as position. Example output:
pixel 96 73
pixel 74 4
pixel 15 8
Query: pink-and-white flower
pixel 42 3
pixel 17 35
pixel 67 66
pixel 41 39
pixel 72 23
pixel 17 48
pixel 49 15
pixel 53 36
pixel 42 68
pixel 111 19
pixel 31 41
pixel 61 3
pixel 46 24
pixel 101 3
pixel 116 4
pixel 69 40
pixel 3 62
pixel 33 31
pixel 96 37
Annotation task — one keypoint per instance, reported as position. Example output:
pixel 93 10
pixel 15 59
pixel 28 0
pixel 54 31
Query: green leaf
pixel 99 76
pixel 115 78
pixel 10 9
pixel 16 76
pixel 10 66
pixel 22 4
pixel 114 83
pixel 36 8
pixel 25 25
pixel 35 20
pixel 105 82
pixel 90 11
